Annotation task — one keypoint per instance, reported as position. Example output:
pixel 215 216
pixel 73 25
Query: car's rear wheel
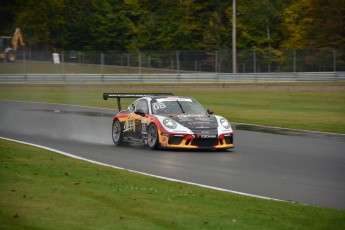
pixel 117 133
pixel 152 137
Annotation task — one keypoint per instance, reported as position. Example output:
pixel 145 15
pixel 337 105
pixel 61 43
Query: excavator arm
pixel 17 37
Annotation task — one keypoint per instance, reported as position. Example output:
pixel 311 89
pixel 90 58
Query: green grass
pixel 299 108
pixel 308 110
pixel 40 189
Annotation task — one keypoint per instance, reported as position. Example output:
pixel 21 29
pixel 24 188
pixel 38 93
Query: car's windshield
pixel 176 106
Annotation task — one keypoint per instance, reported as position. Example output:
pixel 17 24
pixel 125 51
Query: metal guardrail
pixel 174 78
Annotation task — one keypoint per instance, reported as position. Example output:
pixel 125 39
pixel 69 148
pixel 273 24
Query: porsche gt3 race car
pixel 167 121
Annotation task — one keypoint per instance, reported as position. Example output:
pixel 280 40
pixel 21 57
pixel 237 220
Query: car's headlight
pixel 225 123
pixel 169 123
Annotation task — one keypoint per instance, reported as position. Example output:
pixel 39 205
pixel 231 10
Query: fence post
pixel 216 62
pixel 294 61
pixel 269 61
pixel 254 61
pixel 24 61
pixel 139 61
pixel 128 60
pixel 62 63
pixel 102 63
pixel 177 62
pixel 334 60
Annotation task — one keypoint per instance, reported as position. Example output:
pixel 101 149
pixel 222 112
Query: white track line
pixel 142 173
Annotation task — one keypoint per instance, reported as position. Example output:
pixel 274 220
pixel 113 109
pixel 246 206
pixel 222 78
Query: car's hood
pixel 194 121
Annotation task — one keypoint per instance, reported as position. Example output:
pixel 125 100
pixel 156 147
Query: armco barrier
pixel 174 78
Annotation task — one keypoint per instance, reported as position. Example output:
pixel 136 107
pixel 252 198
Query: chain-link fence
pixel 150 62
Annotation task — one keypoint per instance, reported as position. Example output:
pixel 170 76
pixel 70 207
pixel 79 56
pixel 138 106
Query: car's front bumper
pixel 197 141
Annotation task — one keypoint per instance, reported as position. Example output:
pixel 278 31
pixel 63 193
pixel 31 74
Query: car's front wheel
pixel 117 133
pixel 152 137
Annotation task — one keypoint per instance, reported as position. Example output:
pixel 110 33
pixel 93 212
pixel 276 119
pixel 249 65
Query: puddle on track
pixel 81 113
pixel 244 127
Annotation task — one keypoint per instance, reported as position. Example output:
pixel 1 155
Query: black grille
pixel 205 142
pixel 229 139
pixel 175 140
pixel 204 131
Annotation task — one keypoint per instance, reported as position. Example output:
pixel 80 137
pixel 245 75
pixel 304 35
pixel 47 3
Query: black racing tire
pixel 152 137
pixel 11 56
pixel 117 133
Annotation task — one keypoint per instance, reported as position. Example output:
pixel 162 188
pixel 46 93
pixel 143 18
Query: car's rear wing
pixel 131 95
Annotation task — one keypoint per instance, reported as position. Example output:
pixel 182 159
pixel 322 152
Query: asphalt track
pixel 302 167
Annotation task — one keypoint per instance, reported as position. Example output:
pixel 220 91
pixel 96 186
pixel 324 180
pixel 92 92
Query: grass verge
pixel 40 189
pixel 306 106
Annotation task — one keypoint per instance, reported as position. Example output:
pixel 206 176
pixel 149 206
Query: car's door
pixel 135 126
pixel 140 119
pixel 129 125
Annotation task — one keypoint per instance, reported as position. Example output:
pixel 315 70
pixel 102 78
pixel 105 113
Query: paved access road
pixel 297 166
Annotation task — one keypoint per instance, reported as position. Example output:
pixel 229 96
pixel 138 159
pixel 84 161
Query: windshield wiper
pixel 180 106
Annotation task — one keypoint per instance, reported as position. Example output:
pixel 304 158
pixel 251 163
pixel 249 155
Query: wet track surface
pixel 290 165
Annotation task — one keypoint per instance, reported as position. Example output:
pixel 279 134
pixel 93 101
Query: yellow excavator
pixel 9 46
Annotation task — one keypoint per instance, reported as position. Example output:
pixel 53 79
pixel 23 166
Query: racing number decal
pixel 144 126
pixel 158 105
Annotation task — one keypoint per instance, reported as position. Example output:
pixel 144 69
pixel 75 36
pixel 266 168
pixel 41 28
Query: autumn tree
pixel 327 27
pixel 42 22
pixel 264 26
pixel 314 24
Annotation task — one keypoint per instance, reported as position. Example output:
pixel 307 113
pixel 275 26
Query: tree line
pixel 103 25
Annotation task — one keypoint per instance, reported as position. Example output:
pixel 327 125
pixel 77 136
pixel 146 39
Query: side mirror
pixel 140 112
pixel 210 111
